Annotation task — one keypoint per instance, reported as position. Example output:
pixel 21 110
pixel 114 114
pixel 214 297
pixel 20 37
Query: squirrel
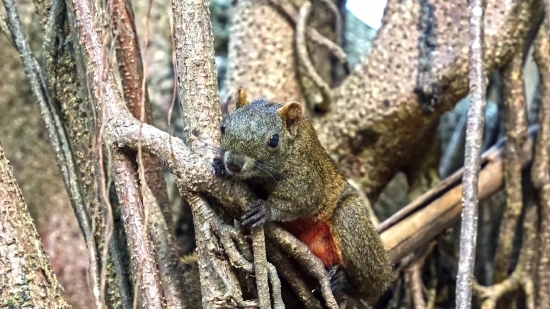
pixel 275 150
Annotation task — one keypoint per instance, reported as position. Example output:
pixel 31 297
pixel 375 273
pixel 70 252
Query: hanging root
pixel 303 59
pixel 239 253
pixel 337 51
pixel 521 277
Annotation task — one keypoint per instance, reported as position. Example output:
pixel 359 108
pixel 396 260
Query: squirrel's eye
pixel 273 141
pixel 222 128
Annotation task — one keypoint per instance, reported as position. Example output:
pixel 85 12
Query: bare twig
pixel 417 287
pixel 260 267
pixel 540 171
pixel 474 132
pixel 303 56
pixel 275 287
pixel 516 134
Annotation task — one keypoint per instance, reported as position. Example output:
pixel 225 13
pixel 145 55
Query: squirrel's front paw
pixel 255 215
pixel 219 167
pixel 338 279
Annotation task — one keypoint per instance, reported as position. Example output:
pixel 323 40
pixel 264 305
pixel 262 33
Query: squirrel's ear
pixel 291 113
pixel 241 97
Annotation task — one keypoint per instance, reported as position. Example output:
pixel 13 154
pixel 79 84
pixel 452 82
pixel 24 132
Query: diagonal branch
pixel 422 220
pixel 376 122
pixel 26 275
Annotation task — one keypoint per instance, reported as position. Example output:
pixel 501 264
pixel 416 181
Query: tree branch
pixel 541 169
pixel 386 111
pixel 516 134
pixel 146 277
pixel 58 138
pixel 472 160
pixel 26 275
pixel 197 75
pixel 438 209
pixel 136 95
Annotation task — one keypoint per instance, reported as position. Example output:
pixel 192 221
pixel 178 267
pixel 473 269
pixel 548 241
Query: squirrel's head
pixel 257 136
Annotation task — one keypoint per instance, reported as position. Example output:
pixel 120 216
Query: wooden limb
pixel 416 285
pixel 441 206
pixel 305 61
pixel 197 75
pixel 289 272
pixel 275 287
pixel 215 273
pixel 301 253
pixel 135 93
pixel 26 275
pixel 521 276
pixel 153 186
pixel 339 24
pixel 59 140
pixel 516 135
pixel 432 291
pixel 260 267
pixel 540 171
pixel 379 90
pixel 146 277
pixel 166 253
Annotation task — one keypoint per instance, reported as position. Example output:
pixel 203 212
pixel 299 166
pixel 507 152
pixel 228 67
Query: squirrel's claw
pixel 338 279
pixel 219 167
pixel 255 215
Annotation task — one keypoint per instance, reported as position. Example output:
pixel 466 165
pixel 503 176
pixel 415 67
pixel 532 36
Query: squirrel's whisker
pixel 265 170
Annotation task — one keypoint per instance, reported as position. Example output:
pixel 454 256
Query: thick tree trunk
pixel 26 277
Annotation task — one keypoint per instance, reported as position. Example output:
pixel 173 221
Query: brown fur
pixel 305 191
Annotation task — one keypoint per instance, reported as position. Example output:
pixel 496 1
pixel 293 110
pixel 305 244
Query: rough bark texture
pixel 368 129
pixel 541 164
pixel 26 277
pixel 136 95
pixel 134 218
pixel 24 137
pixel 472 161
pixel 516 134
pixel 374 112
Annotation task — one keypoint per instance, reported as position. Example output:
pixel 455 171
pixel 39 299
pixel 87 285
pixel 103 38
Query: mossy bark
pixel 26 277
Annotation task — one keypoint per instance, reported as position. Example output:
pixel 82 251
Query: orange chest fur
pixel 316 235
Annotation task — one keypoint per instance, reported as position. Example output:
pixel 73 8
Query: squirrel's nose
pixel 234 167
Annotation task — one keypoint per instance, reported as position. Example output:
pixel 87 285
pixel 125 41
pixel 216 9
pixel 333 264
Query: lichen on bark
pixel 26 276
